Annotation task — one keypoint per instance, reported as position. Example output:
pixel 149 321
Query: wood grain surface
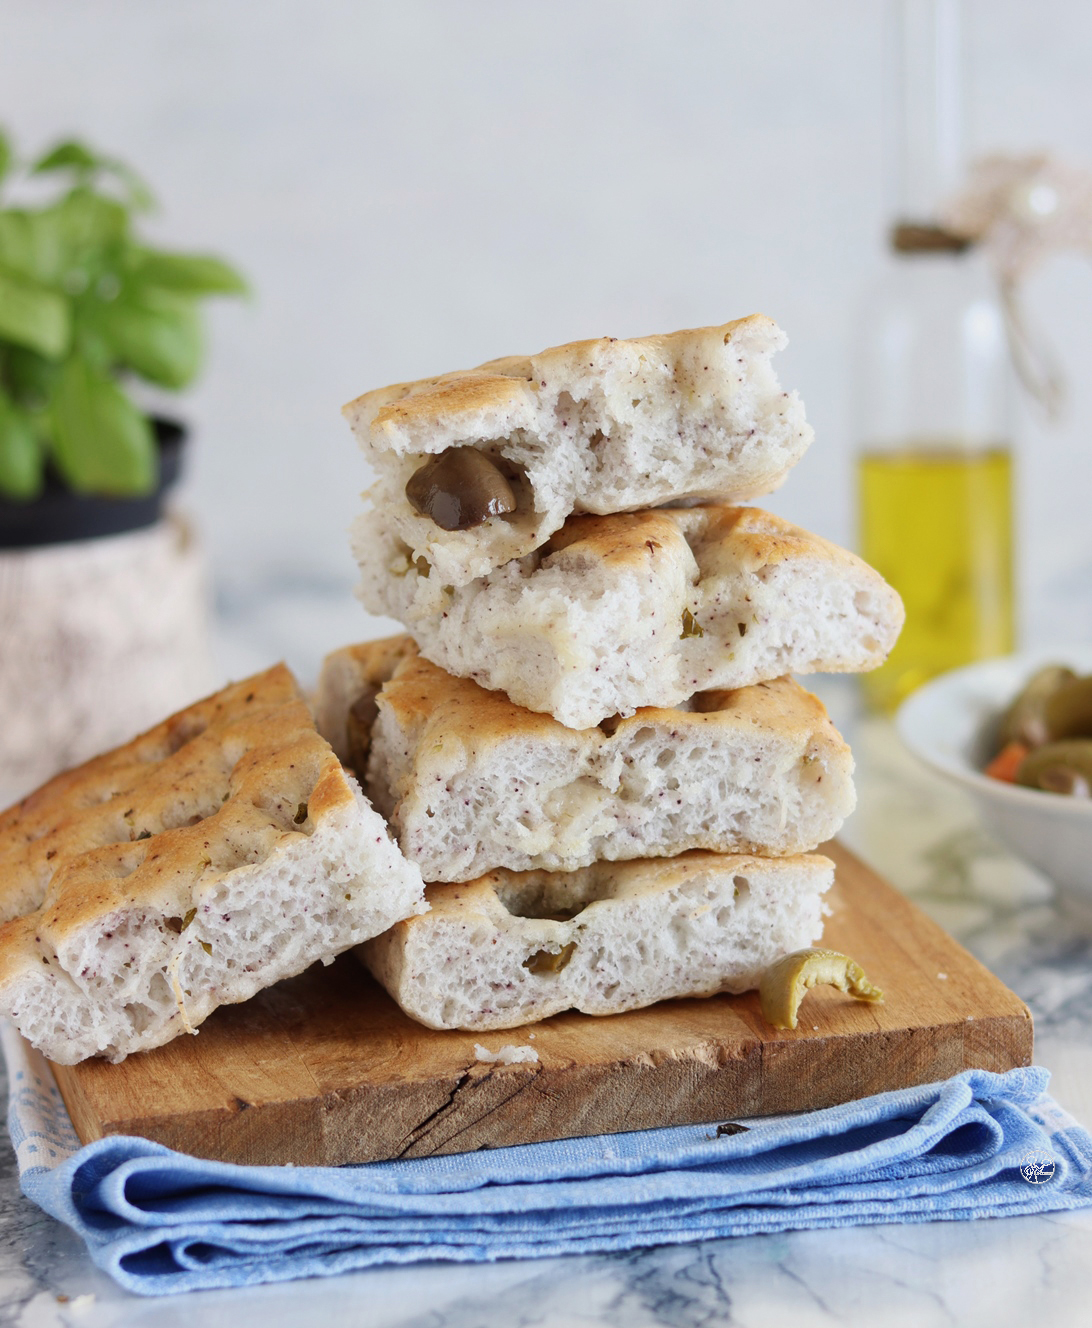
pixel 325 1069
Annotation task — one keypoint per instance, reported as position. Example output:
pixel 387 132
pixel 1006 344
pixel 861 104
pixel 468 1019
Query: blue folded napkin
pixel 978 1145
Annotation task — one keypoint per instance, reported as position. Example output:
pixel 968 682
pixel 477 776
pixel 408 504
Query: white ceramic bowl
pixel 948 724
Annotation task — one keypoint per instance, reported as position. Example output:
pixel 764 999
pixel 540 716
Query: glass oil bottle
pixel 934 470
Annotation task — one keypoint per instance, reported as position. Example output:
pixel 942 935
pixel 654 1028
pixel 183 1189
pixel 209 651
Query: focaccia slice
pixel 219 852
pixel 642 609
pixel 469 781
pixel 515 947
pixel 594 426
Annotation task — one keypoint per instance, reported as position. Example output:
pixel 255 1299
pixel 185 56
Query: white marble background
pixel 420 185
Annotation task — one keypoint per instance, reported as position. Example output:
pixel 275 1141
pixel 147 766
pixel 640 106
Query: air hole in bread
pixel 742 889
pixel 544 909
pixel 140 1015
pixel 179 924
pixel 288 809
pixel 183 731
pixel 550 962
pixel 553 896
pixel 707 703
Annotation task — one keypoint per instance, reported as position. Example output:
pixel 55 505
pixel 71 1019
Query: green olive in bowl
pixel 1069 710
pixel 1059 767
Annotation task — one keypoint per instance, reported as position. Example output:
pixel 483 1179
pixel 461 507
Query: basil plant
pixel 85 307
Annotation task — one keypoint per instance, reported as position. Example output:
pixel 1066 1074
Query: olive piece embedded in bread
pixel 460 489
pixel 1069 710
pixel 1059 767
pixel 1025 720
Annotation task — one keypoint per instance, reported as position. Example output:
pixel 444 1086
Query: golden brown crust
pixel 624 537
pixel 505 382
pixel 373 662
pixel 212 788
pixel 756 538
pixel 423 697
pixel 434 705
pixel 746 536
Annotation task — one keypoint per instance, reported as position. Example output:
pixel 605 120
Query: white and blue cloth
pixel 978 1145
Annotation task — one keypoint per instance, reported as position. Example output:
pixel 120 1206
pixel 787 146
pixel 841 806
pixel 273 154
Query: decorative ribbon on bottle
pixel 1022 210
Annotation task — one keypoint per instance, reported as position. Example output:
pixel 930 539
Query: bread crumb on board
pixel 509 1054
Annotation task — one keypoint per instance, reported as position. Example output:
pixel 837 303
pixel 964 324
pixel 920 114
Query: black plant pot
pixel 58 515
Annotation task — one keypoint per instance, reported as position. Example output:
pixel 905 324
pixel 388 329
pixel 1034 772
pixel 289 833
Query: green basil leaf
pixel 189 274
pixel 20 454
pixel 29 377
pixel 86 163
pixel 16 247
pixel 82 230
pixel 101 442
pixel 90 223
pixel 157 334
pixel 35 244
pixel 34 317
pixel 65 156
pixel 5 155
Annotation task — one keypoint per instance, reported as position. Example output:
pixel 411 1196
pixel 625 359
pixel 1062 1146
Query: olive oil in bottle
pixel 936 522
pixel 934 478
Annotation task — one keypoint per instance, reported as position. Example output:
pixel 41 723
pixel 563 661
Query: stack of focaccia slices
pixel 589 743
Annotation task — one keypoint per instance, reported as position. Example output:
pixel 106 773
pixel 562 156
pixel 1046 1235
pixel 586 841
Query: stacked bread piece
pixel 589 743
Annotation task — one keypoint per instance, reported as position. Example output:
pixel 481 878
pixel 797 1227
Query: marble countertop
pixel 923 836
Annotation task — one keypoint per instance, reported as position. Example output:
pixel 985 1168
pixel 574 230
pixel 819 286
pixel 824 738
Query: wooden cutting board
pixel 325 1069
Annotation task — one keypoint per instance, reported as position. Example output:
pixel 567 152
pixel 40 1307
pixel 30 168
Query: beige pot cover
pixel 99 639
